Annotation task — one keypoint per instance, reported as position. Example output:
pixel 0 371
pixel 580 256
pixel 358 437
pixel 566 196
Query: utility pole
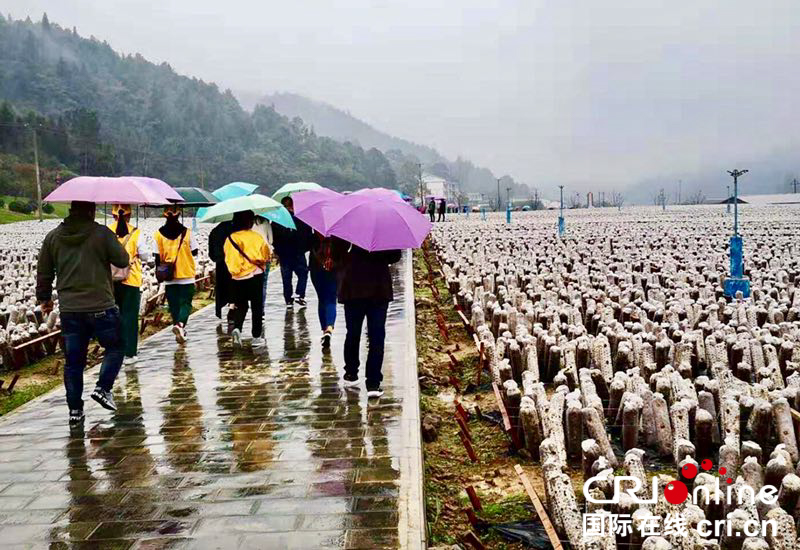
pixel 419 177
pixel 679 190
pixel 498 194
pixel 36 164
pixel 728 197
pixel 735 174
pixel 794 184
pixel 737 282
pixel 508 205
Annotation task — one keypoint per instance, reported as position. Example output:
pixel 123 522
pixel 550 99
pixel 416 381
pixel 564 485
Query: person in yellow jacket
pixel 246 256
pixel 126 291
pixel 175 244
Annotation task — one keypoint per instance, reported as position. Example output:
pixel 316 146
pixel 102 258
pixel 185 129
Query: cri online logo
pixel 676 492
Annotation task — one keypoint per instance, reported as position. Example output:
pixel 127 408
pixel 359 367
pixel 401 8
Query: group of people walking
pixel 98 272
pixel 432 209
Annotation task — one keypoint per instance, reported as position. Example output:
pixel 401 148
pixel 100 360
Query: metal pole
pixel 736 204
pixel 38 181
pixel 498 194
pixel 728 197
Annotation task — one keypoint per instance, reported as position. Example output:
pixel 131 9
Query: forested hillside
pixel 327 120
pixel 96 111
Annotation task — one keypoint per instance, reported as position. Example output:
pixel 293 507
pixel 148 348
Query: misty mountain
pixel 330 121
pixel 118 114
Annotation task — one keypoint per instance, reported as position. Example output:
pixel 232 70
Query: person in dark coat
pixel 365 290
pixel 432 210
pixel 442 210
pixel 290 247
pixel 222 278
pixel 77 255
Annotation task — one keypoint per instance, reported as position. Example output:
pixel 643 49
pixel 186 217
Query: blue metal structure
pixel 561 224
pixel 737 282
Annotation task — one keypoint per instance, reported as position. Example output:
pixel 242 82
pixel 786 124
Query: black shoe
pixel 300 301
pixel 326 340
pixel 76 417
pixel 374 392
pixel 105 398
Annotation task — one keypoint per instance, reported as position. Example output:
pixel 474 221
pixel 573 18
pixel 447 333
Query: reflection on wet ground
pixel 219 447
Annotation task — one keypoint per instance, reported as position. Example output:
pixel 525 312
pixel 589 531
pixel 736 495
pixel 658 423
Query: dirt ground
pixel 448 468
pixel 44 375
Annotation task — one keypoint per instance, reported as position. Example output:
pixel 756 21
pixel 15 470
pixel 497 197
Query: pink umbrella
pixel 372 221
pixel 124 190
pixel 161 187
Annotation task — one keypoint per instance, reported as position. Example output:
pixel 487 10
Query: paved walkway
pixel 220 448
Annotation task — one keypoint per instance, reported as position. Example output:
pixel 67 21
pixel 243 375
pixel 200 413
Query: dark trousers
pixel 78 329
pixel 222 285
pixel 179 300
pixel 355 311
pixel 441 217
pixel 325 284
pixel 433 215
pixel 249 291
pixel 294 265
pixel 128 299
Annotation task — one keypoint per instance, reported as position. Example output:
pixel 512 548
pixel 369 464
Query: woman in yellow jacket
pixel 246 256
pixel 176 245
pixel 127 292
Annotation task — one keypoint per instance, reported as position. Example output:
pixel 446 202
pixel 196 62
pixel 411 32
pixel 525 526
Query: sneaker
pixel 350 382
pixel 375 392
pixel 130 360
pixel 76 417
pixel 258 342
pixel 105 398
pixel 300 301
pixel 326 340
pixel 236 335
pixel 180 333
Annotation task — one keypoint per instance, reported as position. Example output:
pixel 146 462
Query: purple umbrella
pixel 160 187
pixel 373 222
pixel 123 190
pixel 317 206
pixel 380 192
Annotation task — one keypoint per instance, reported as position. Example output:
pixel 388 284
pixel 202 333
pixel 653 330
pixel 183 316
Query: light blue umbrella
pixel 262 206
pixel 230 191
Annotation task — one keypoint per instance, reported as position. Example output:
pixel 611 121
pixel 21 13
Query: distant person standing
pixel 432 210
pixel 442 210
pixel 128 281
pixel 291 246
pixel 222 279
pixel 365 289
pixel 175 251
pixel 323 277
pixel 78 255
pixel 247 255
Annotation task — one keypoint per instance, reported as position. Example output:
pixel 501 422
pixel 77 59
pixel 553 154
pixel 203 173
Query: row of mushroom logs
pixel 616 350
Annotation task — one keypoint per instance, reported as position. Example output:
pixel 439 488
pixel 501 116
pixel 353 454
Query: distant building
pixel 779 198
pixel 440 187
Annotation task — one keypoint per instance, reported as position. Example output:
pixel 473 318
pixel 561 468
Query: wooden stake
pixel 540 511
pixel 512 433
pixel 463 426
pixel 473 498
pixel 472 539
pixel 468 446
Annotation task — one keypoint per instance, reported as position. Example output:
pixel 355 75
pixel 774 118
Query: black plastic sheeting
pixel 529 533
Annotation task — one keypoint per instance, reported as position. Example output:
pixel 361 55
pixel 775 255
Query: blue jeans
pixel 77 329
pixel 294 265
pixel 325 284
pixel 355 311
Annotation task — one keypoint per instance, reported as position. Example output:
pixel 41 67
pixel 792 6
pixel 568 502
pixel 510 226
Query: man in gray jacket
pixel 78 255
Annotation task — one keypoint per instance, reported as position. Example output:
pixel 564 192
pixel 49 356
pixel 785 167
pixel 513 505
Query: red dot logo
pixel 676 492
pixel 723 471
pixel 689 471
pixel 706 465
pixel 729 480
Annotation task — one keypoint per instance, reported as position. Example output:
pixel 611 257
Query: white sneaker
pixel 237 337
pixel 130 360
pixel 375 393
pixel 180 334
pixel 258 342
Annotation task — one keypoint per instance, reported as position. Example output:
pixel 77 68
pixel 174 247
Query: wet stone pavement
pixel 216 447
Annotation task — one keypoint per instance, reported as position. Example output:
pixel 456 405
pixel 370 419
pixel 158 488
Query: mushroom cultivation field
pixel 621 361
pixel 21 319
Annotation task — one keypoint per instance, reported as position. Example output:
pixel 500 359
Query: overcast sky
pixel 550 91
